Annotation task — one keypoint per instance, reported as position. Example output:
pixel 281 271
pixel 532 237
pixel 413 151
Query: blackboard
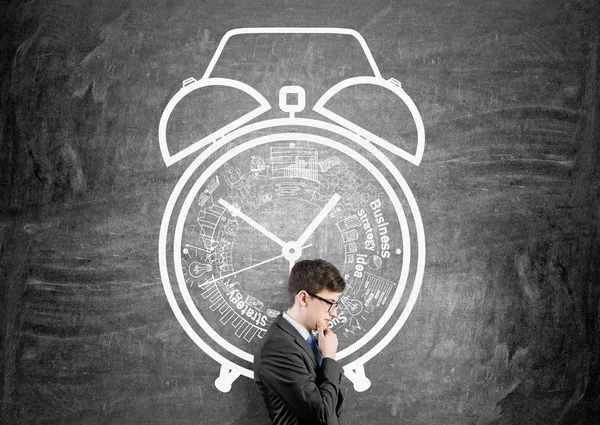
pixel 114 213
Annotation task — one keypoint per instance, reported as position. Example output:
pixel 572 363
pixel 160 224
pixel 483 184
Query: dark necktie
pixel 312 342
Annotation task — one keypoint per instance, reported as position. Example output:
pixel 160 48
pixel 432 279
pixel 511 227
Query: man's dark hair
pixel 313 276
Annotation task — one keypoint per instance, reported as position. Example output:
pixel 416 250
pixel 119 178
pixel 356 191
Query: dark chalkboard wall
pixel 505 327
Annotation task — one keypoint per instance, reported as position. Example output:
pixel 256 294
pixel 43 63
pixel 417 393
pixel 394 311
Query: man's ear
pixel 301 298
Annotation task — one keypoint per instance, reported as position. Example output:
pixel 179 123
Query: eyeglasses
pixel 332 305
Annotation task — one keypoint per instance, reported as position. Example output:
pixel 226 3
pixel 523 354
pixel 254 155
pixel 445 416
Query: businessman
pixel 297 376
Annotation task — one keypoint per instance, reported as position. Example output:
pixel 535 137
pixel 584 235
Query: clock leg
pixel 226 377
pixel 355 372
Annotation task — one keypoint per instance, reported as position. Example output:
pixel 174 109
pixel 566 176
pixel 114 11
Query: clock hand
pixel 291 263
pixel 318 219
pixel 247 268
pixel 251 222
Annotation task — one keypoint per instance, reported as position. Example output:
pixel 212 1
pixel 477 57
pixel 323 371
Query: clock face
pixel 267 201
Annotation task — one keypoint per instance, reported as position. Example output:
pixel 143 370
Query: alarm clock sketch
pixel 279 166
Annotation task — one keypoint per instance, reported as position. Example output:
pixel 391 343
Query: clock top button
pixel 292 99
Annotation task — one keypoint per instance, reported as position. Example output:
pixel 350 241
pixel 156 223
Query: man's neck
pixel 294 314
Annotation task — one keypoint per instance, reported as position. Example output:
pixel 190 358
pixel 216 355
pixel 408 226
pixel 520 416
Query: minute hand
pixel 318 219
pixel 251 222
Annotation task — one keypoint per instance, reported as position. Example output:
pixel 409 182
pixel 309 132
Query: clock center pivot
pixel 291 251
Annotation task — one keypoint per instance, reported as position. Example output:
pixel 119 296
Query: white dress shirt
pixel 303 331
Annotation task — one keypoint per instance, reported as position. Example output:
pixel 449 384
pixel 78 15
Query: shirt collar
pixel 301 329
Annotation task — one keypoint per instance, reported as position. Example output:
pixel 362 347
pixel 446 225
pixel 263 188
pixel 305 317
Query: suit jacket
pixel 296 390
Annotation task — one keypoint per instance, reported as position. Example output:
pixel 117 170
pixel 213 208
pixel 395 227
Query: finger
pixel 320 329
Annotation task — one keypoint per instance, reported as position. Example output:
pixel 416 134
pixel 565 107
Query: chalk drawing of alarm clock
pixel 288 179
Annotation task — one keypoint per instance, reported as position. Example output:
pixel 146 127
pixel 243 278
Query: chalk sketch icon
pixel 298 143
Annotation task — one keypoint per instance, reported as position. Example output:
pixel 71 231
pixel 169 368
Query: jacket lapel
pixel 290 330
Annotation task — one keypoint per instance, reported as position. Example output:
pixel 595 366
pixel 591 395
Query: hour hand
pixel 235 211
pixel 318 219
